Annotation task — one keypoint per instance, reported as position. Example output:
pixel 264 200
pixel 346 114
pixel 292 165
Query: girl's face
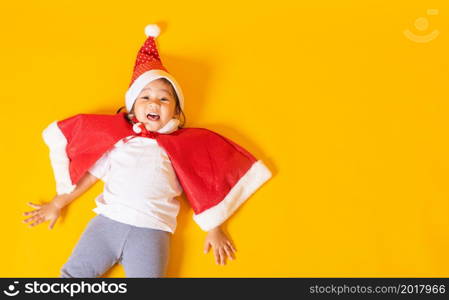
pixel 155 105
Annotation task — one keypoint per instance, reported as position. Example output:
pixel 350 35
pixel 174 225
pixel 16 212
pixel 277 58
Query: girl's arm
pixel 83 185
pixel 51 211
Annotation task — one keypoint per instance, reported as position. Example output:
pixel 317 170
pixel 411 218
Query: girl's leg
pixel 145 253
pixel 97 250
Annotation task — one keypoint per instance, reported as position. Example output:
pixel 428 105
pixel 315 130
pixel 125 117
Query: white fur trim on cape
pixel 245 187
pixel 56 141
pixel 146 78
pixel 171 126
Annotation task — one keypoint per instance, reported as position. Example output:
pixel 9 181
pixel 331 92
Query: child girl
pixel 146 159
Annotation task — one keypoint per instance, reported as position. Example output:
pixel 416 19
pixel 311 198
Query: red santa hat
pixel 149 67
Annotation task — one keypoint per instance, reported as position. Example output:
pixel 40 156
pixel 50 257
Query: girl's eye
pixel 146 98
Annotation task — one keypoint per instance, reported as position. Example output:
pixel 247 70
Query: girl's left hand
pixel 221 245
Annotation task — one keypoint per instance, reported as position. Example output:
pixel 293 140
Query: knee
pixel 78 270
pixel 66 273
pixel 152 270
pixel 146 274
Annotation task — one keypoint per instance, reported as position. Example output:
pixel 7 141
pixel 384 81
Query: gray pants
pixel 143 252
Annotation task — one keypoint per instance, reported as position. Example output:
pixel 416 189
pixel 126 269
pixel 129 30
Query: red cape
pixel 216 174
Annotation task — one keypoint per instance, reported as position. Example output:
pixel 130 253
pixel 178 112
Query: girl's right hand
pixel 44 212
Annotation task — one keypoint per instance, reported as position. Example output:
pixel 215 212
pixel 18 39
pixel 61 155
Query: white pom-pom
pixel 152 30
pixel 136 128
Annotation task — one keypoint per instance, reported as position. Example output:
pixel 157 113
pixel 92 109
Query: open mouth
pixel 153 117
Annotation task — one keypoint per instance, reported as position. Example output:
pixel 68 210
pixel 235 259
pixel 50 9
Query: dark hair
pixel 178 108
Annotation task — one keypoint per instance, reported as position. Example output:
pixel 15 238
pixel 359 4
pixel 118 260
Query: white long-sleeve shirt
pixel 140 184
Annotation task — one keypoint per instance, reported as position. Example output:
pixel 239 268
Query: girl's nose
pixel 153 102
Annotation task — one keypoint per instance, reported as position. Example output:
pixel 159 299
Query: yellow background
pixel 349 114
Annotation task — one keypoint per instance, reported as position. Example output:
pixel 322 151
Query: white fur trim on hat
pixel 146 78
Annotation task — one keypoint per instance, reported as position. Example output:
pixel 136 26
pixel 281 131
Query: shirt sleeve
pixel 101 167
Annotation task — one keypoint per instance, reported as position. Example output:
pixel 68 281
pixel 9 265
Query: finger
pixel 217 256
pixel 37 222
pixel 33 218
pixel 34 205
pixel 228 250
pixel 206 247
pixel 231 245
pixel 52 224
pixel 31 213
pixel 222 256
